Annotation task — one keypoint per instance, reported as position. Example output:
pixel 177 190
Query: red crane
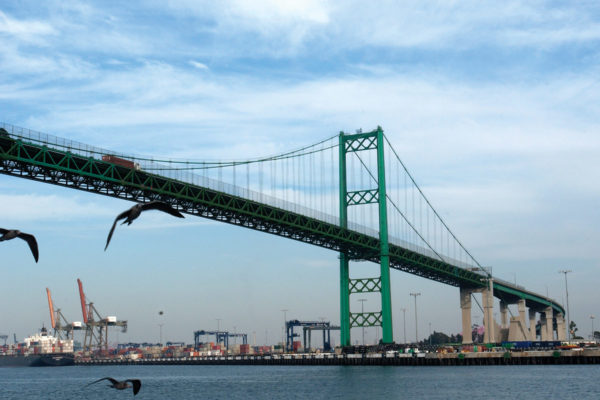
pixel 82 297
pixel 59 322
pixel 96 326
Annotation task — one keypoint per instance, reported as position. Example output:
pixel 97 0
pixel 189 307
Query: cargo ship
pixel 39 350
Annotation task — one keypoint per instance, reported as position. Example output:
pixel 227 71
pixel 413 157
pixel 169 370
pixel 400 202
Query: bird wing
pixel 30 239
pixel 113 381
pixel 161 206
pixel 3 231
pixel 137 384
pixel 119 217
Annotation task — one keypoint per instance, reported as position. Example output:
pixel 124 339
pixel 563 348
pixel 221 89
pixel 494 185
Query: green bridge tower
pixel 349 144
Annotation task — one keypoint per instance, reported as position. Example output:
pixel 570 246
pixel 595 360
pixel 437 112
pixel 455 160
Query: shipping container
pixel 121 161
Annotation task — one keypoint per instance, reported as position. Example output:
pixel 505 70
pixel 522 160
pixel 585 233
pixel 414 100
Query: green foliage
pixel 439 338
pixel 573 329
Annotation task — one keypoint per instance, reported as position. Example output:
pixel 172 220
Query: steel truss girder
pixel 63 168
pixel 92 175
pixel 213 205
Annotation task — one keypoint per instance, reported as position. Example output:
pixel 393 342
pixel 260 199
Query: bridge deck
pixel 45 163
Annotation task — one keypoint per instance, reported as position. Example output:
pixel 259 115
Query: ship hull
pixel 38 360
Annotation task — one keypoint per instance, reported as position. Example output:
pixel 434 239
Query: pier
pixel 547 357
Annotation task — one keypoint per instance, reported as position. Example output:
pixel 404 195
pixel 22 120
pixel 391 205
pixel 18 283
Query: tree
pixel 573 329
pixel 439 338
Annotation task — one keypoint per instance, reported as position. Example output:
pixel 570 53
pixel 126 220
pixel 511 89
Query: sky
pixel 493 106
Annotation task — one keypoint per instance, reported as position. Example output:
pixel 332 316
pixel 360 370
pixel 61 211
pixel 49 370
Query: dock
pixel 550 357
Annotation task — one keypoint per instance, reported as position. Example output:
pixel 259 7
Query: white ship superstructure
pixel 43 343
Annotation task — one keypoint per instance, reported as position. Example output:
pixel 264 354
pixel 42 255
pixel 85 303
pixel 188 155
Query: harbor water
pixel 306 382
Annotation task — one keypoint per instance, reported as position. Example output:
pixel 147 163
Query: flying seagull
pixel 8 234
pixel 135 212
pixel 136 384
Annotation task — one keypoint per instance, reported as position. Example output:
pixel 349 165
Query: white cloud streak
pixel 33 207
pixel 25 30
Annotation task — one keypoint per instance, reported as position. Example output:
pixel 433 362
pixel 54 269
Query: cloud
pixel 33 207
pixel 274 27
pixel 25 30
pixel 198 65
pixel 283 28
pixel 494 118
pixel 262 15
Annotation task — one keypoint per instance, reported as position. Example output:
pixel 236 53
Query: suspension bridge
pixel 350 193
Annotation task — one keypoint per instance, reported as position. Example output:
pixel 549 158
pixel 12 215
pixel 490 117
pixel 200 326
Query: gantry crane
pixel 59 322
pixel 308 327
pixel 96 326
pixel 221 337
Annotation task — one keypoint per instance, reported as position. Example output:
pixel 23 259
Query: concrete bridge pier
pixel 465 306
pixel 491 327
pixel 548 325
pixel 503 314
pixel 532 334
pixel 488 313
pixel 543 331
pixel 503 331
pixel 518 325
pixel 513 329
pixel 560 327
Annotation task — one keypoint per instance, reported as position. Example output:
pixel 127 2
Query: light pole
pixel 416 320
pixel 284 339
pixel 592 318
pixel 362 311
pixel 566 271
pixel 404 319
pixel 160 325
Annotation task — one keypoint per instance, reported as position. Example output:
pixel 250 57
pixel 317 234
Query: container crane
pixel 59 322
pixel 221 337
pixel 96 326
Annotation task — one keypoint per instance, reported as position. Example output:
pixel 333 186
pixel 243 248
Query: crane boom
pixel 51 306
pixel 82 297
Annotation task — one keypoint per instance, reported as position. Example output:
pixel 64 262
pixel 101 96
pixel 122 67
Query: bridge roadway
pixel 31 158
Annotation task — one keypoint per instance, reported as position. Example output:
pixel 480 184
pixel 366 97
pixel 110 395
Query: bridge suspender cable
pixel 432 208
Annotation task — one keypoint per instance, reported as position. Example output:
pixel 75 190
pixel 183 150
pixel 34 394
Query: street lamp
pixel 566 271
pixel 160 325
pixel 592 318
pixel 362 311
pixel 416 321
pixel 404 318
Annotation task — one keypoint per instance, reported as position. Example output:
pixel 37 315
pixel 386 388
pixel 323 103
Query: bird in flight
pixel 136 384
pixel 135 211
pixel 8 234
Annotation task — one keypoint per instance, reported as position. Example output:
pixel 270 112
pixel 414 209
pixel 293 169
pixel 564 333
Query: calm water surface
pixel 307 382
